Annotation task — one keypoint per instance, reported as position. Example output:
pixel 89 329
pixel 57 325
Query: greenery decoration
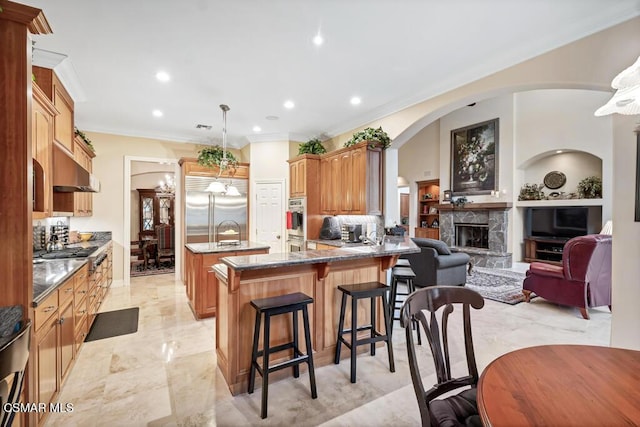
pixel 211 156
pixel 590 188
pixel 531 192
pixel 370 134
pixel 313 146
pixel 84 138
pixel 460 202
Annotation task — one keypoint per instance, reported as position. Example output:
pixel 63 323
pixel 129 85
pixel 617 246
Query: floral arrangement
pixel 370 134
pixel 211 156
pixel 531 192
pixel 313 146
pixel 590 188
pixel 84 137
pixel 473 154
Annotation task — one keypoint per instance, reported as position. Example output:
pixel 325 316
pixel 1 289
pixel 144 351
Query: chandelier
pixel 168 186
pixel 626 100
pixel 227 189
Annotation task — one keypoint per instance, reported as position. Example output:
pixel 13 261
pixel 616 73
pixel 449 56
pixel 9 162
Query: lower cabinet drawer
pixel 47 308
pixel 81 333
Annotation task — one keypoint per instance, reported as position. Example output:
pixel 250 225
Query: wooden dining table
pixel 561 385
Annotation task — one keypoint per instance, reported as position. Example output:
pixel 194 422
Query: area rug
pixel 497 285
pixel 114 323
pixel 152 270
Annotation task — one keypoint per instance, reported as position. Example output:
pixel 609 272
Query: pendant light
pixel 626 100
pixel 217 186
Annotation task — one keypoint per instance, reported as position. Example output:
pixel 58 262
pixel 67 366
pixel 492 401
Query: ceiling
pixel 253 55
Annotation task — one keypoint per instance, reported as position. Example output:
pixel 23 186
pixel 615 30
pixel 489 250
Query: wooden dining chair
pixel 14 354
pixel 424 305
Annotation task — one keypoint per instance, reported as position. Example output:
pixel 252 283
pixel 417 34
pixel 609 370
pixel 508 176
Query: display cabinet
pixel 428 219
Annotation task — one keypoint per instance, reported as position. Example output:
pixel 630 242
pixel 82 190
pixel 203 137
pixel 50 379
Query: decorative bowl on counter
pixel 85 236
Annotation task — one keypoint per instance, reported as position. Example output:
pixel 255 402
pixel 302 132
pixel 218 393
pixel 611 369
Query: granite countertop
pixel 392 246
pixel 51 273
pixel 212 247
pixel 336 242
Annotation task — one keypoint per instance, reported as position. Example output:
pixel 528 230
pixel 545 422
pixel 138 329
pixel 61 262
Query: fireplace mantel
pixel 476 206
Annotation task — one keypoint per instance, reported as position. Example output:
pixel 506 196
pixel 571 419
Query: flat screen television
pixel 563 222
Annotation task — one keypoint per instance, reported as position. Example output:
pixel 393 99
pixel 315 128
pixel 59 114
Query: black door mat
pixel 113 323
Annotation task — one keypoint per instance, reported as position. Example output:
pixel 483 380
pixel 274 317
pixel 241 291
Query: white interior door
pixel 269 201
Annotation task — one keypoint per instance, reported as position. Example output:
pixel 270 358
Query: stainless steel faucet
pixel 373 241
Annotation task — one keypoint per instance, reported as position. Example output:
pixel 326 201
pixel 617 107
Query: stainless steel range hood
pixel 69 176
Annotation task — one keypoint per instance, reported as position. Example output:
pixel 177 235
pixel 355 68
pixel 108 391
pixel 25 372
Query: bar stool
pixel 402 262
pixel 406 275
pixel 358 291
pixel 290 303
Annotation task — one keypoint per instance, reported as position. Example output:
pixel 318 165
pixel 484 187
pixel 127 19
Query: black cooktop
pixel 65 253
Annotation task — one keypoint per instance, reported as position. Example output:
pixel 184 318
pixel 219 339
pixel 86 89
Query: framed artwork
pixel 433 210
pixel 474 158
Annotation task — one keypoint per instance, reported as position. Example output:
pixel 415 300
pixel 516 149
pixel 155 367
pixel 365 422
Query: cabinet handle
pixel 61 320
pixel 83 292
pixel 68 290
pixel 49 308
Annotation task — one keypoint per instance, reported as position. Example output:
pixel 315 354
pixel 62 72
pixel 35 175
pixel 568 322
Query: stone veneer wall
pixel 497 219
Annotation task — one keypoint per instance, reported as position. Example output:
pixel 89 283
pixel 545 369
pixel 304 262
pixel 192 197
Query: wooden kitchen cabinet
pixel 304 176
pixel 48 81
pixel 83 202
pixel 201 284
pixel 43 114
pixel 351 181
pixel 55 332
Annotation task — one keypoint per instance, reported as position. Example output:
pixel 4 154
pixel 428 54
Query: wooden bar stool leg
pixel 354 336
pixel 254 352
pixel 387 330
pixel 373 325
pixel 340 328
pixel 265 366
pixel 296 367
pixel 307 338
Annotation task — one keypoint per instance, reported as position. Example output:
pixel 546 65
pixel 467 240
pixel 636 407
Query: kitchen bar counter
pixel 214 248
pixel 393 246
pixel 316 273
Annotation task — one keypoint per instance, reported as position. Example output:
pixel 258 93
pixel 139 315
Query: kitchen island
pixel 200 283
pixel 316 273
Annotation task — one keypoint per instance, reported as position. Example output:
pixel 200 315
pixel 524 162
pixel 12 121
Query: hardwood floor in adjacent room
pixel 165 374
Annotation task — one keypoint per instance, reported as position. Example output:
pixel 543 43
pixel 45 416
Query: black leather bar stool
pixel 290 303
pixel 405 275
pixel 370 290
pixel 402 262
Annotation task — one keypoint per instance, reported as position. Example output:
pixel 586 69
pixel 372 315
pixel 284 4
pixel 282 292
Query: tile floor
pixel 165 374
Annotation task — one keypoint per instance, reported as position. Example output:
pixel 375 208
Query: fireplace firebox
pixel 472 235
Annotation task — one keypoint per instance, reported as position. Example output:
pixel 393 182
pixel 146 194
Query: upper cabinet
pixel 53 88
pixel 304 175
pixel 351 181
pixel 43 114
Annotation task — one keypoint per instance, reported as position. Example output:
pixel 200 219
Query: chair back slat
pixel 452 300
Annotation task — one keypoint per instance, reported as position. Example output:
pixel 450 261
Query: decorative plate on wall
pixel 554 180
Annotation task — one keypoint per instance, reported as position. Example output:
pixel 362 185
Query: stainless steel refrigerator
pixel 205 210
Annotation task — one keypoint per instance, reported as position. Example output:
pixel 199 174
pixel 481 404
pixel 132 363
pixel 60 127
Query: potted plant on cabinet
pixel 590 188
pixel 370 134
pixel 313 146
pixel 212 157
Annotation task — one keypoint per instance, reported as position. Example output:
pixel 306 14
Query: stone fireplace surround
pixel 495 215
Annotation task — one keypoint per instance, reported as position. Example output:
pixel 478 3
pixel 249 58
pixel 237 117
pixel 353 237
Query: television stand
pixel 544 249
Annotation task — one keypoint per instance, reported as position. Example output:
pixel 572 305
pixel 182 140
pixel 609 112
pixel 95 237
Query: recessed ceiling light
pixel 558 151
pixel 157 113
pixel 318 39
pixel 355 100
pixel 257 128
pixel 272 118
pixel 289 105
pixel 163 76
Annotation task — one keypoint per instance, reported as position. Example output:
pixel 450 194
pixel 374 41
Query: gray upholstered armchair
pixel 437 265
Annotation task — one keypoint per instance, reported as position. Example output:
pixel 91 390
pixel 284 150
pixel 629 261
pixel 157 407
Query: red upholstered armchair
pixel 584 278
